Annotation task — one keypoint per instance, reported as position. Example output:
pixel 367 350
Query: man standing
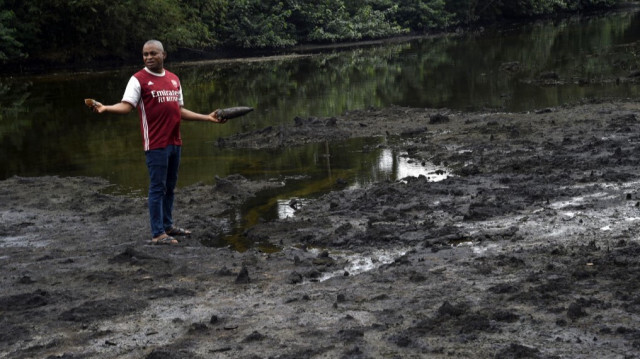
pixel 157 95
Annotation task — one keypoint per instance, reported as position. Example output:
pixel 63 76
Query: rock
pixel 243 276
pixel 439 118
pixel 295 278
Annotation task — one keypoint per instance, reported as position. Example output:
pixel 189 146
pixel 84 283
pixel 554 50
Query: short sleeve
pixel 132 94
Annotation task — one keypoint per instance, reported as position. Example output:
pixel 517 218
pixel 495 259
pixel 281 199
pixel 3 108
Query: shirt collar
pixel 153 73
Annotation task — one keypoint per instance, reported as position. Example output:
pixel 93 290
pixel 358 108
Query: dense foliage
pixel 78 31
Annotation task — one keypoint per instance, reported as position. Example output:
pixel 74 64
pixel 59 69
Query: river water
pixel 46 129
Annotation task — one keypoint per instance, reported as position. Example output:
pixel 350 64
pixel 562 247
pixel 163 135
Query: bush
pixel 80 31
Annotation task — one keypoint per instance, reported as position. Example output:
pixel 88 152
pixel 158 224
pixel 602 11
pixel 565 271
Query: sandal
pixel 177 231
pixel 166 240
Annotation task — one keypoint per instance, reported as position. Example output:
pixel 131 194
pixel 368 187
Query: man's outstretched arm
pixel 121 108
pixel 189 115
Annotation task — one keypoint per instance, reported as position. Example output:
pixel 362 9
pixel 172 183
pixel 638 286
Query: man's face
pixel 153 57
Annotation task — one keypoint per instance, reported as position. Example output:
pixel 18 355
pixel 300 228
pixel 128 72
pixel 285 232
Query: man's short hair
pixel 156 43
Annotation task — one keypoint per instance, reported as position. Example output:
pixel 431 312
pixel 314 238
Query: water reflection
pixel 389 166
pixel 288 207
pixel 45 129
pixel 404 166
pixel 358 263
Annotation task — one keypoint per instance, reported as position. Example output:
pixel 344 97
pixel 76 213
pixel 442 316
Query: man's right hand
pixel 99 108
pixel 121 108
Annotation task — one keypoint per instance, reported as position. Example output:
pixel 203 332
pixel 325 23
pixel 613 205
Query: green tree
pixel 371 23
pixel 257 24
pixel 423 15
pixel 81 31
pixel 10 47
pixel 205 18
pixel 338 20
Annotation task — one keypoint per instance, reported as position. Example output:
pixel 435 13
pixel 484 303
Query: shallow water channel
pixel 46 129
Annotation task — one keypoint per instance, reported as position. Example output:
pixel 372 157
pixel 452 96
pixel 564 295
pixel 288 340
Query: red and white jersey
pixel 158 98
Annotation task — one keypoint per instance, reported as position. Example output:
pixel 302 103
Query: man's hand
pixel 93 104
pixel 119 108
pixel 189 115
pixel 214 117
pixel 99 108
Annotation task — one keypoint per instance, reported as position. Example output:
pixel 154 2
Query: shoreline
pixel 307 49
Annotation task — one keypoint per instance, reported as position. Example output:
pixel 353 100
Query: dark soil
pixel 528 250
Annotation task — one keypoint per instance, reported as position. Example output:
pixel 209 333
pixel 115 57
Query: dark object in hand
pixel 232 112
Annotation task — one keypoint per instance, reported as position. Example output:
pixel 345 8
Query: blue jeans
pixel 163 166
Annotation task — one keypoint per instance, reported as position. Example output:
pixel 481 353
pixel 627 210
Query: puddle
pixel 389 165
pixel 483 249
pixel 478 249
pixel 21 241
pixel 357 162
pixel 288 207
pixel 576 201
pixel 407 167
pixel 359 263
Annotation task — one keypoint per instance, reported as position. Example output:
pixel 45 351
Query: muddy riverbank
pixel 527 250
